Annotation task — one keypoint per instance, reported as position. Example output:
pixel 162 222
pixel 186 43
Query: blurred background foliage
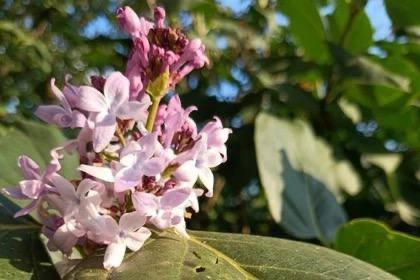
pixel 340 81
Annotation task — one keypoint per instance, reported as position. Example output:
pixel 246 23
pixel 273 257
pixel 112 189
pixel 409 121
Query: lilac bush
pixel 143 163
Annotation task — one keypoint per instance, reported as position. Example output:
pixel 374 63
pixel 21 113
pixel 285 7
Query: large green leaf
pixel 300 178
pixel 209 255
pixel 375 243
pixel 22 255
pixel 307 28
pixel 403 13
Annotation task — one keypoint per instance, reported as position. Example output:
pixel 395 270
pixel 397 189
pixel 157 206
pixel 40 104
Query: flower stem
pixel 152 113
pixel 120 135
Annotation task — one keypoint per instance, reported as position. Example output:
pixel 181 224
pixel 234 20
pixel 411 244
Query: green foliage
pixel 375 243
pixel 208 255
pixel 22 255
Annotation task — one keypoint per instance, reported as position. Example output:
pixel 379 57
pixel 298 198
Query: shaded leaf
pixel 375 243
pixel 209 255
pixel 301 177
pixel 365 71
pixel 403 13
pixel 22 255
pixel 350 27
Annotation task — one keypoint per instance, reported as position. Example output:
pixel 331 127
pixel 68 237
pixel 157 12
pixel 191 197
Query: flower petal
pixel 175 198
pixel 207 178
pixel 132 221
pixel 135 240
pixel 127 178
pixel 64 187
pixel 60 96
pixel 114 254
pixel 64 239
pixel 146 204
pixel 48 113
pixel 103 173
pixel 91 100
pixel 133 110
pixel 27 209
pixel 104 131
pixel 29 168
pixel 31 188
pixel 116 90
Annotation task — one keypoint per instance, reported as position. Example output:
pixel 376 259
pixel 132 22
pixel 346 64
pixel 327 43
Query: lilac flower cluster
pixel 140 159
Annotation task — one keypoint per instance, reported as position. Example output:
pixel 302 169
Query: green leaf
pixel 375 243
pixel 301 179
pixel 209 255
pixel 403 13
pixel 365 71
pixel 307 28
pixel 22 255
pixel 352 31
pixel 35 140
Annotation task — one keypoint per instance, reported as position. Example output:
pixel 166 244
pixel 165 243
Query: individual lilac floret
pixel 36 184
pixel 174 126
pixel 129 233
pixel 157 49
pixel 167 211
pixel 64 115
pixel 137 159
pixel 106 108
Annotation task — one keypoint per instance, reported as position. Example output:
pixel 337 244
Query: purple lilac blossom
pixel 131 179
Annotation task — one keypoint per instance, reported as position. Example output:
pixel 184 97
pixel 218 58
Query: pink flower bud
pixel 159 15
pixel 128 20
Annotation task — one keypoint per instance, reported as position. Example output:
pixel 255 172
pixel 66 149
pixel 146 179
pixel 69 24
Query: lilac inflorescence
pixel 133 178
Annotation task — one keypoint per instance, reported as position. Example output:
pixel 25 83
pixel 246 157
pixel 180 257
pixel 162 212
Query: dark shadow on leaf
pixel 309 209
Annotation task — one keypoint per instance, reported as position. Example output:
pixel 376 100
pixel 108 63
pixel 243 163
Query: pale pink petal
pixel 29 168
pixel 127 178
pixel 104 131
pixel 64 239
pixel 133 110
pixel 154 167
pixel 187 172
pixel 65 188
pixel 114 254
pixel 78 119
pixel 31 188
pixel 27 209
pixel 135 240
pixel 132 221
pixel 175 198
pixel 103 173
pixel 48 113
pixel 207 178
pixel 213 158
pixel 91 100
pixel 146 204
pixel 116 90
pixel 14 192
pixel 60 96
